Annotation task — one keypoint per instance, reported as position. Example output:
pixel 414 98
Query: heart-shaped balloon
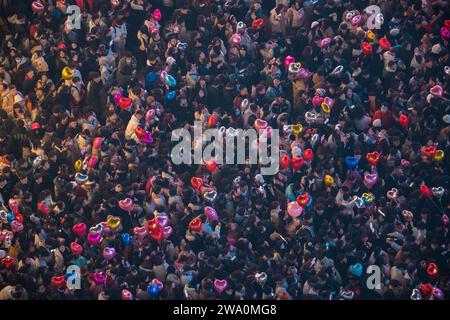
pixel 405 163
pixel 285 161
pixel 16 226
pixel 317 101
pixel 13 205
pixel 445 33
pixel 325 42
pixel 368 198
pixel 425 191
pixel 404 121
pixel 125 103
pixel 384 43
pixel 162 220
pixel 416 295
pixel 392 194
pixel 140 232
pixel 167 231
pixel 308 155
pixel 10 217
pixel 126 295
pixel 94 238
pixel 429 151
pixel 370 35
pixel 359 202
pixel 109 253
pixel 98 228
pixel 297 129
pixel 325 108
pixel 58 281
pixel 37 7
pixel 210 213
pixel 258 23
pixel 310 117
pixel 113 222
pixel 140 133
pixel 211 165
pixel 92 161
pixel 356 20
pixel 210 196
pixel 195 224
pixel 373 158
pixel 42 207
pixel 356 269
pixel 297 163
pixel 303 199
pixel 79 229
pixel 366 48
pixel 78 165
pixel 294 209
pixel 97 143
pixel 439 155
pixel 117 96
pixel 126 204
pixel 158 283
pixel 260 124
pixel 294 68
pixel 438 192
pixel 156 15
pixel 328 180
pixel 99 278
pixel 150 115
pixel 432 269
pixel 288 60
pixel 261 278
pixel 444 219
pixel 370 179
pixel 426 290
pixel 351 162
pixel 220 285
pixel 438 294
pixel 196 182
pixel 126 239
pixel 76 248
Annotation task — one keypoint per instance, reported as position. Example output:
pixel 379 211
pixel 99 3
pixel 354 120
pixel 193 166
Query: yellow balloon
pixel 328 180
pixel 369 197
pixel 113 222
pixel 78 164
pixel 297 129
pixel 370 35
pixel 66 73
pixel 325 108
pixel 439 155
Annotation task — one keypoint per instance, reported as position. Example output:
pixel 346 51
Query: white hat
pixel 394 32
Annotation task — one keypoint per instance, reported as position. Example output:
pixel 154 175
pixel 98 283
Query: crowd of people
pixel 359 91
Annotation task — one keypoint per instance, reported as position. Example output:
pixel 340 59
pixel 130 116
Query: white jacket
pixel 131 127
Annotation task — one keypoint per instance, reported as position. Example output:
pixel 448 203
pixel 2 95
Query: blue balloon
pixel 309 202
pixel 10 217
pixel 351 162
pixel 126 239
pixel 153 290
pixel 170 81
pixel 150 78
pixel 171 94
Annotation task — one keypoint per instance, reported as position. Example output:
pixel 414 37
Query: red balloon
pixel 429 151
pixel 432 269
pixel 211 165
pixel 373 158
pixel 212 121
pixel 155 230
pixel 196 182
pixel 404 121
pixel 76 248
pixel 58 281
pixel 124 103
pixel 303 200
pixel 426 290
pixel 385 44
pixel 258 23
pixel 195 224
pixel 297 163
pixel 425 191
pixel 285 161
pixel 308 155
pixel 366 48
pixel 140 133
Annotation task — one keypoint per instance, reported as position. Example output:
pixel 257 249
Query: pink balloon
pixel 370 179
pixel 220 285
pixel 162 220
pixel 288 60
pixel 97 143
pixel 92 161
pixel 79 229
pixel 317 101
pixel 156 14
pixel 16 226
pixel 76 248
pixel 158 283
pixel 329 102
pixel 13 205
pixel 302 73
pixel 117 97
pixel 167 231
pixel 210 213
pixel 140 232
pixel 325 42
pixel 436 90
pixel 235 39
pixel 126 204
pixel 445 33
pixel 109 253
pixel 98 278
pixel 150 115
pixel 294 209
pixel 94 238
